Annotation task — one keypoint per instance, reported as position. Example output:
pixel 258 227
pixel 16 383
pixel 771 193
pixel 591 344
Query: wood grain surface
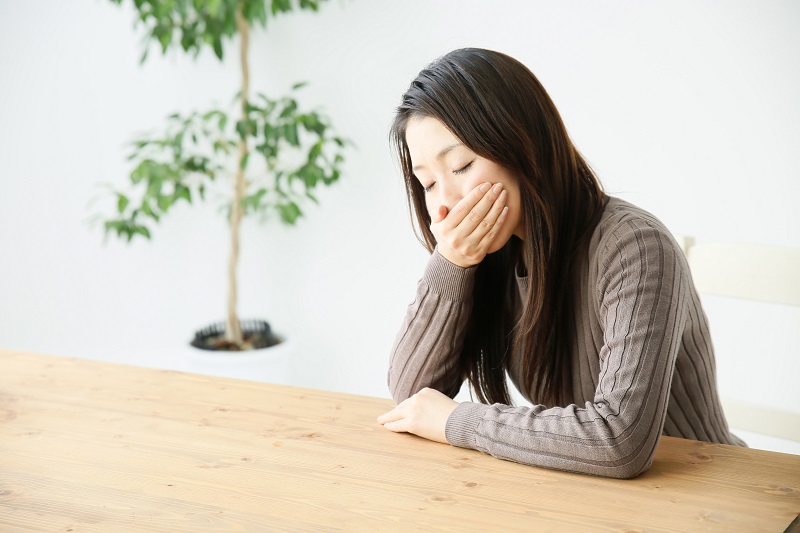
pixel 87 446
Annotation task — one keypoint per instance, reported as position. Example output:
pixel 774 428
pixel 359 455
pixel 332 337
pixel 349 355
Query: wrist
pixel 456 259
pixel 447 279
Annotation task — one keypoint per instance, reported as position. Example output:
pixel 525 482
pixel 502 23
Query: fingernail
pixel 485 187
pixel 497 187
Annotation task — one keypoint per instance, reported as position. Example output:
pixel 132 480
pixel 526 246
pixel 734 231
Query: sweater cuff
pixel 453 282
pixel 462 424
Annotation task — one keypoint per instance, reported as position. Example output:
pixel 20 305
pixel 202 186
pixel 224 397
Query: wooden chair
pixel 751 272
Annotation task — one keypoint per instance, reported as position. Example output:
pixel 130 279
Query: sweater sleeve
pixel 428 345
pixel 641 291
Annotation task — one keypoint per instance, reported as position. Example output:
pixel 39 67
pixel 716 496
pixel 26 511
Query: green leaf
pixel 164 202
pixel 182 191
pixel 164 36
pixel 289 108
pixel 333 177
pixel 111 225
pixel 187 40
pixel 141 230
pixel 312 123
pixel 253 202
pixel 218 48
pixel 241 128
pixel 299 85
pixel 148 211
pixel 258 196
pixel 154 187
pixel 140 172
pixel 215 7
pixel 313 154
pixel 220 146
pixel 290 134
pixel 246 128
pixel 313 5
pixel 243 162
pixel 280 5
pixel 289 212
pixel 122 203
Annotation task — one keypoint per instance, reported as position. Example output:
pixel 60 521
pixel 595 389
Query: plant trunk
pixel 233 329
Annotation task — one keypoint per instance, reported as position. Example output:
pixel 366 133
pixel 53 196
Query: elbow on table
pixel 627 467
pixel 630 471
pixel 615 464
pixel 628 451
pixel 617 459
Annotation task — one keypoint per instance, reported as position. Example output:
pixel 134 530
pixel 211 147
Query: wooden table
pixel 90 446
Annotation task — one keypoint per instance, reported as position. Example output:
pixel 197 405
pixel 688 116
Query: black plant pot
pixel 257 334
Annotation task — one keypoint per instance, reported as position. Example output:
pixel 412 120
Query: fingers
pixel 397 426
pixel 439 215
pixel 479 209
pixel 424 414
pixel 476 216
pixel 487 224
pixel 463 210
pixel 389 417
pixel 394 420
pixel 466 233
pixel 494 228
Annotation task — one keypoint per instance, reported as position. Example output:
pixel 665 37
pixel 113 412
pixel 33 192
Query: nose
pixel 449 194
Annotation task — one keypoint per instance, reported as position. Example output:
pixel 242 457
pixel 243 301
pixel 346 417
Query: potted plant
pixel 275 154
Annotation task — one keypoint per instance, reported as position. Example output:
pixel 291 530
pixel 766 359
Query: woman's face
pixel 448 171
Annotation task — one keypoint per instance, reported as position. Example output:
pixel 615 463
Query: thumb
pixel 440 214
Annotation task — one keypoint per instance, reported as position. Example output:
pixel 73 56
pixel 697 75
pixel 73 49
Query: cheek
pixel 430 202
pixel 473 181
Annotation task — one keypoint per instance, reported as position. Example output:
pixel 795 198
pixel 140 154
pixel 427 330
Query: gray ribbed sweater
pixel 642 359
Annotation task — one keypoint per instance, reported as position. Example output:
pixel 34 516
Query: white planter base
pixel 270 365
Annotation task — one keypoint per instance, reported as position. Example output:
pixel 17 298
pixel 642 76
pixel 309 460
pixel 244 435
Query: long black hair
pixel 499 110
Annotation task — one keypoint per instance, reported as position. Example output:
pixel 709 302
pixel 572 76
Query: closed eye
pixel 428 188
pixel 464 168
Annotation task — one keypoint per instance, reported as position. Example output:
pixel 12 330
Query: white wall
pixel 689 109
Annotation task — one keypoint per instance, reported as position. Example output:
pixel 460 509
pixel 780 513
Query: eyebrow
pixel 443 152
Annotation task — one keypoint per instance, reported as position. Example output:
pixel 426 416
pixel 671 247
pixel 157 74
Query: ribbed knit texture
pixel 642 359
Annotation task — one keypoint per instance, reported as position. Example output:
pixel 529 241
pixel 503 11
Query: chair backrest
pixel 751 272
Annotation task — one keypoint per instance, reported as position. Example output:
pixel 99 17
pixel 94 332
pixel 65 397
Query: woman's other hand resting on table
pixel 425 414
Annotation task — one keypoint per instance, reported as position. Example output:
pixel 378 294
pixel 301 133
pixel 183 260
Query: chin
pixel 498 244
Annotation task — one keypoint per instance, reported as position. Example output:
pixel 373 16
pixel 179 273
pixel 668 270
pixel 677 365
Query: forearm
pixel 428 345
pixel 576 439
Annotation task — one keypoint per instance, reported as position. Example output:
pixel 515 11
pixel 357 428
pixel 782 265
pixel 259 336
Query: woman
pixel 586 301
